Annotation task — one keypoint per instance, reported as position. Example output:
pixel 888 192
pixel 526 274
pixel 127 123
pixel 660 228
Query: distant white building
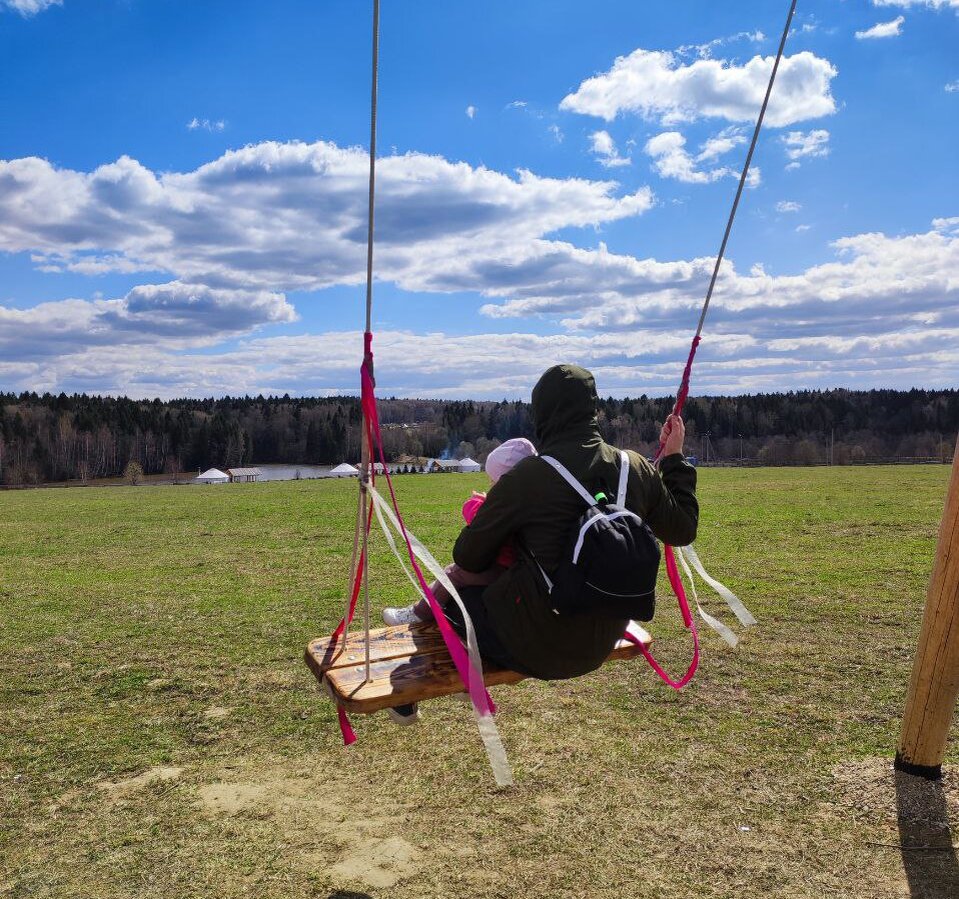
pixel 243 475
pixel 344 470
pixel 457 465
pixel 212 476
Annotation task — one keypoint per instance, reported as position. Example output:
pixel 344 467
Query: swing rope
pixel 466 659
pixel 682 394
pixel 366 450
pixel 683 391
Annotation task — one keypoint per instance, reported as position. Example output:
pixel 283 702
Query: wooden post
pixel 934 687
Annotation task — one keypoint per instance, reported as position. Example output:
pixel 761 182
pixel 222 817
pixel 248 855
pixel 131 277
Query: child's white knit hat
pixel 506 455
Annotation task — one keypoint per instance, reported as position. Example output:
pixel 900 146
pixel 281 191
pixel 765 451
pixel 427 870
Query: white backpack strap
pixel 623 479
pixel 579 488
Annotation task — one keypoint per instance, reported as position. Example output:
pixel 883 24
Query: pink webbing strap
pixel 349 735
pixel 677 585
pixel 473 679
pixel 345 727
pixel 675 581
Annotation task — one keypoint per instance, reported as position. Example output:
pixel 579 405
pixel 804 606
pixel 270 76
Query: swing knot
pixel 367 366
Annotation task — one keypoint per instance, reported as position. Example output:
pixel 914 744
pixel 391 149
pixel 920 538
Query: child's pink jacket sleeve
pixel 472 506
pixel 507 555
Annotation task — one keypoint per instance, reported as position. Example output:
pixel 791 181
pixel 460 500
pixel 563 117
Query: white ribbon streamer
pixel 488 731
pixel 720 628
pixel 732 600
pixel 396 551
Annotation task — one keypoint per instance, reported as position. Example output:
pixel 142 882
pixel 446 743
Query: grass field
pixel 161 737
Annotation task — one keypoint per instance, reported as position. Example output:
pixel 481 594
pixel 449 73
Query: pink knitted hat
pixel 506 455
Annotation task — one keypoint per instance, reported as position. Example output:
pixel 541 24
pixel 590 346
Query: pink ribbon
pixel 676 583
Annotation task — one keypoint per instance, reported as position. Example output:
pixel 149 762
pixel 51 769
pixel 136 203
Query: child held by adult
pixel 499 461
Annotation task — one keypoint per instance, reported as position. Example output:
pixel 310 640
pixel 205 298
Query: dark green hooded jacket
pixel 533 503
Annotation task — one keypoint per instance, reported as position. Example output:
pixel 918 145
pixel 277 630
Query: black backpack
pixel 610 565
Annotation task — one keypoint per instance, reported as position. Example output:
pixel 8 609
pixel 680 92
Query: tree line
pixel 47 437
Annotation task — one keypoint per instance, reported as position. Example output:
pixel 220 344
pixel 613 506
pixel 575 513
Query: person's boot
pixel 405 715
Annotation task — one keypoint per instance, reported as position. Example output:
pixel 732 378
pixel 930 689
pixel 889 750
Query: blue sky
pixel 182 206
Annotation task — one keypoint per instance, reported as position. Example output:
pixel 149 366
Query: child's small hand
pixel 479 494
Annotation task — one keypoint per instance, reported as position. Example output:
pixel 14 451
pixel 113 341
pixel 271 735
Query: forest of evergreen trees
pixel 47 438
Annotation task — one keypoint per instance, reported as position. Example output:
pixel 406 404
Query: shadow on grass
pixel 348 894
pixel 928 856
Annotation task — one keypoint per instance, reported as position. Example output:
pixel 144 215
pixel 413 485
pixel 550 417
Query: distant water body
pixel 293 472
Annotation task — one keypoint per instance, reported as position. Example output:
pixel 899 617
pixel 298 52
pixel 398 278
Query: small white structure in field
pixel 243 475
pixel 469 464
pixel 212 476
pixel 344 470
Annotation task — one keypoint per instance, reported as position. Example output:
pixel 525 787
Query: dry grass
pixel 160 736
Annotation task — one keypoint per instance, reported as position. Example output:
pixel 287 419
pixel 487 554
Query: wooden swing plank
pixel 385 643
pixel 407 664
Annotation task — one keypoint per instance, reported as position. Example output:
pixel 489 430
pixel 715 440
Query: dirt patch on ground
pixel 913 818
pixel 378 862
pixel 326 823
pixel 878 792
pixel 119 789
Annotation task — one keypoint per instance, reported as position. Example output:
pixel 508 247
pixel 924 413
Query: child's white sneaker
pixel 405 715
pixel 406 615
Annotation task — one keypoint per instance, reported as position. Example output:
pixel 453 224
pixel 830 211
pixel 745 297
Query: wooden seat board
pixel 411 664
pixel 385 643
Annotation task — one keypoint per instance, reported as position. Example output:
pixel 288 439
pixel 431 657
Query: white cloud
pixel 658 86
pixel 720 144
pixel 557 133
pixel 705 51
pixel 494 365
pixel 908 4
pixel 882 29
pixel 877 285
pixel 238 232
pixel 293 216
pixel 206 125
pixel 805 145
pixel 471 112
pixel 952 87
pixel 801 228
pixel 604 148
pixel 175 314
pixel 885 312
pixel 788 206
pixel 30 7
pixel 672 160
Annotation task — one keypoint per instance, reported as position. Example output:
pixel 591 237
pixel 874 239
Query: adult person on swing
pixel 515 624
pixel 532 505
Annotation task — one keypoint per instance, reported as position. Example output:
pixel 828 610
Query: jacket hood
pixel 564 405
